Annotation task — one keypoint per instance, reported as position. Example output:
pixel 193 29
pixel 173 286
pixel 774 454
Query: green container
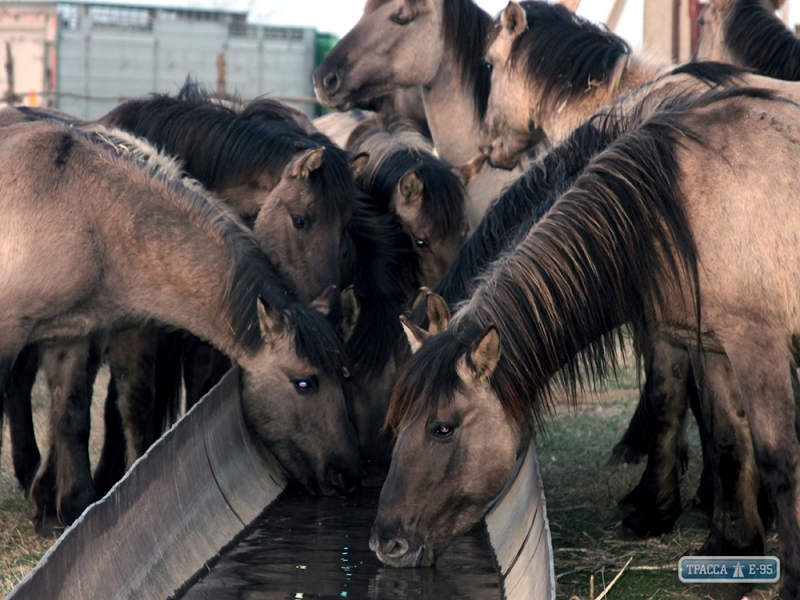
pixel 323 43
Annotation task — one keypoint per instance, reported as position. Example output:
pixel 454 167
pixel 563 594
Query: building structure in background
pixel 86 56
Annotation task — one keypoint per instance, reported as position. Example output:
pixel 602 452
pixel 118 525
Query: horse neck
pixel 450 109
pixel 452 116
pixel 629 74
pixel 172 269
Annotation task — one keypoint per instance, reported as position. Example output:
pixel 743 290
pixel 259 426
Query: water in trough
pixel 307 547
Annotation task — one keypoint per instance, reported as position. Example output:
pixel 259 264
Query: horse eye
pixel 443 431
pixel 298 222
pixel 400 20
pixel 346 374
pixel 488 66
pixel 305 386
pixel 420 243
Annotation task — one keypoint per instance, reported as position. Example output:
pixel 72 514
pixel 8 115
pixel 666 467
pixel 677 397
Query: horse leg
pixel 111 466
pixel 656 498
pixel 698 511
pixel 24 450
pixel 758 357
pixel 167 380
pixel 132 357
pixel 632 448
pixel 63 486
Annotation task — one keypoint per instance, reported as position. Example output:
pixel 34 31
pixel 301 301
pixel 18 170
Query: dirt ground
pixel 581 495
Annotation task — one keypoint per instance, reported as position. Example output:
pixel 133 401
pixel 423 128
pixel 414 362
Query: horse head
pixel 293 398
pixel 395 44
pixel 456 447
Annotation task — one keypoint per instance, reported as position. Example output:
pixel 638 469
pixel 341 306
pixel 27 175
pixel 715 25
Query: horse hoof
pixel 691 519
pixel 622 454
pixel 48 528
pixel 649 523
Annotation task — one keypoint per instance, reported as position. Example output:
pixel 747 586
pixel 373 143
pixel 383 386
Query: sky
pixel 338 16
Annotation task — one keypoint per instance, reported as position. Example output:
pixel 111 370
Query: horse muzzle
pixel 396 549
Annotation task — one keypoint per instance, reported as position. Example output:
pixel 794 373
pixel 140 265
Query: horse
pixel 529 85
pixel 436 44
pixel 655 228
pixel 138 258
pixel 404 176
pixel 550 71
pixel 297 196
pixel 748 33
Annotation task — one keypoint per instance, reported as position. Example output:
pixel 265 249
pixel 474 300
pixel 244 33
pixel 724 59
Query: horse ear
pixel 468 171
pixel 416 335
pixel 358 163
pixel 485 353
pixel 514 19
pixel 308 161
pixel 438 313
pixel 351 311
pixel 270 320
pixel 322 303
pixel 570 5
pixel 411 188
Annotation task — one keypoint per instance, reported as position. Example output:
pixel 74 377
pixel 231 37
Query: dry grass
pixel 581 499
pixel 581 496
pixel 20 547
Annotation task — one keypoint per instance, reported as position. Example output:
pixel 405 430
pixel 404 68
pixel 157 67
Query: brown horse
pixel 436 44
pixel 296 194
pixel 403 175
pixel 749 33
pixel 624 243
pixel 136 258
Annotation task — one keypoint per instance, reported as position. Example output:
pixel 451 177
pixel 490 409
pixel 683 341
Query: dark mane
pixel 443 196
pixel 562 54
pixel 383 269
pixel 531 196
pixel 760 40
pixel 536 190
pixel 593 263
pixel 464 29
pixel 215 144
pixel 712 73
pixel 252 275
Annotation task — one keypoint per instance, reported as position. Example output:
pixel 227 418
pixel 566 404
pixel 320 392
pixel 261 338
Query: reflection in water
pixel 318 548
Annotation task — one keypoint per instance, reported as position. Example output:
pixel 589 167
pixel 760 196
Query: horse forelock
pixel 464 29
pixel 429 378
pixel 760 40
pixel 563 54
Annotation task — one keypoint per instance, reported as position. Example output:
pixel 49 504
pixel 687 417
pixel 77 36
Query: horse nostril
pixel 343 482
pixel 331 82
pixel 395 548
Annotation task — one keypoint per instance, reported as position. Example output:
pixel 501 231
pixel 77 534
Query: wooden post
pixel 668 29
pixel 222 75
pixel 9 96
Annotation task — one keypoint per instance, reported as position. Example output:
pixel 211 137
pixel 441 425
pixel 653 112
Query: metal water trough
pixel 200 489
